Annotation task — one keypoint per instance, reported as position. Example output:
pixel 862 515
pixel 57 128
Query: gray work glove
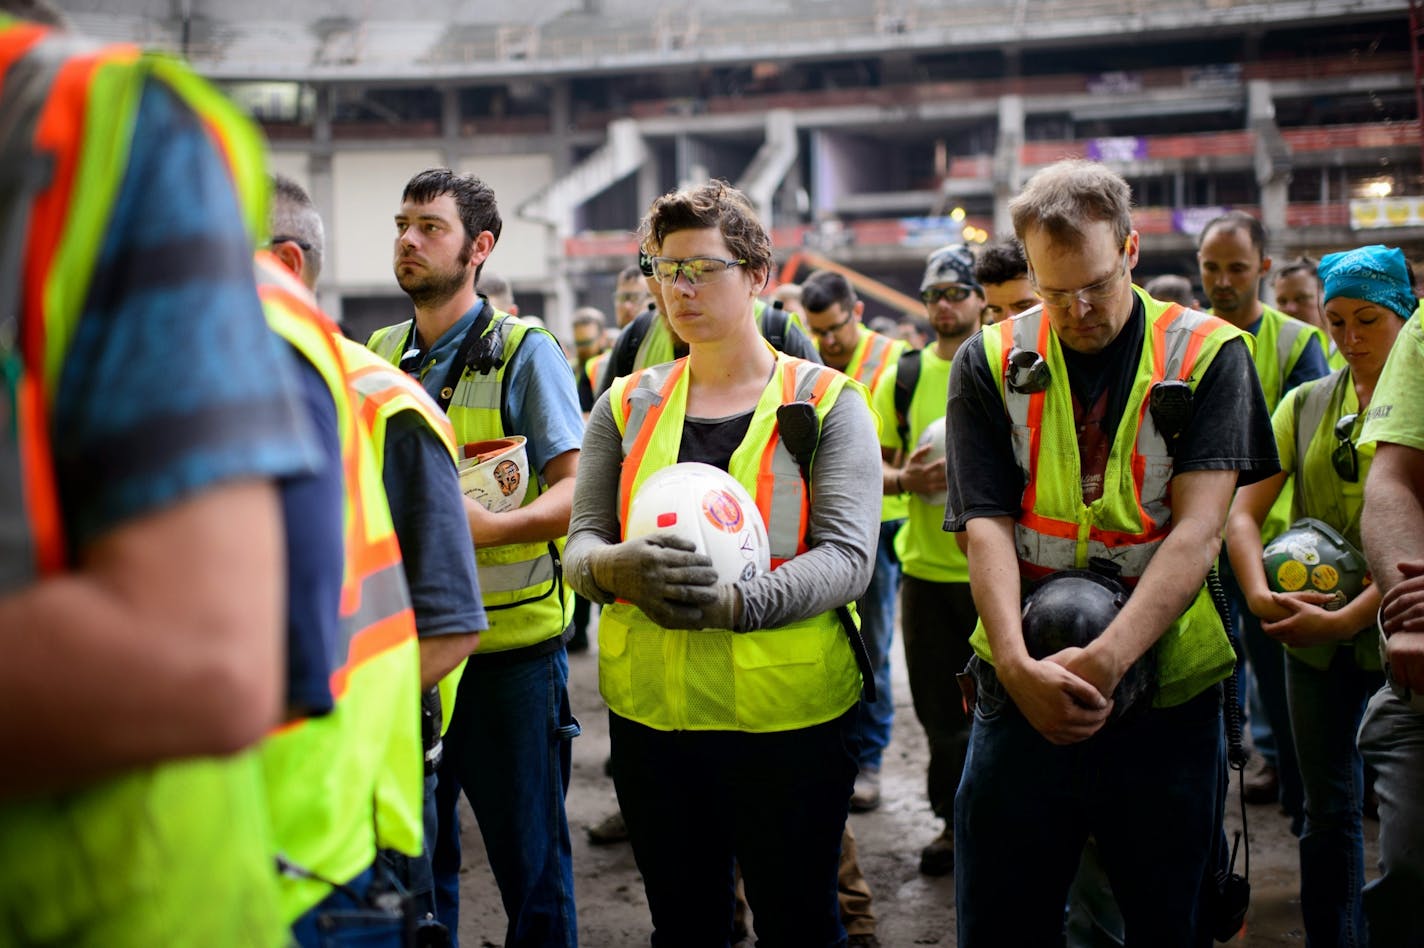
pixel 722 612
pixel 661 575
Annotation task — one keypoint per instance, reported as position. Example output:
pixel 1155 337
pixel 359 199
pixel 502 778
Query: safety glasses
pixel 956 293
pixel 699 271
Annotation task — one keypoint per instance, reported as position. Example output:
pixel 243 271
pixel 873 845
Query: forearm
pixel 1243 546
pixel 996 586
pixel 440 654
pixel 544 518
pixel 1172 580
pixel 166 642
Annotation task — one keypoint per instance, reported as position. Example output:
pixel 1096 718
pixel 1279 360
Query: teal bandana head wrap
pixel 1377 274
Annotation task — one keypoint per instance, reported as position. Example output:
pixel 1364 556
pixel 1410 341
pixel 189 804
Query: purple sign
pixel 1124 148
pixel 1191 220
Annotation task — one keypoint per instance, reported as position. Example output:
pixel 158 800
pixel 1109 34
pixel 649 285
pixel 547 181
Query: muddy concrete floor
pixel 912 909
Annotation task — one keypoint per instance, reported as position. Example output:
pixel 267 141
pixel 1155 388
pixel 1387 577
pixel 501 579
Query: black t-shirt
pixel 1230 428
pixel 714 440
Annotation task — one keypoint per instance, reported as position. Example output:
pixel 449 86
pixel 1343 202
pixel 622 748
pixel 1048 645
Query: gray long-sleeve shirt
pixel 844 520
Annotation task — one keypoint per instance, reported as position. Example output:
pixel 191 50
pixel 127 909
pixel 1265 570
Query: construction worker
pixel 1002 271
pixel 937 612
pixel 509 740
pixel 147 418
pixel 1231 253
pixel 1059 460
pixel 721 754
pixel 833 316
pixel 416 455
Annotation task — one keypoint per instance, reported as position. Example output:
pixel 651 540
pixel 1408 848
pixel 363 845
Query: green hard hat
pixel 1313 556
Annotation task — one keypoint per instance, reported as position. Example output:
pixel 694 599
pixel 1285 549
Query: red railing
pixel 1372 135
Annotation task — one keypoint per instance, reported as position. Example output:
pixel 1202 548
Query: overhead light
pixel 957 214
pixel 1379 189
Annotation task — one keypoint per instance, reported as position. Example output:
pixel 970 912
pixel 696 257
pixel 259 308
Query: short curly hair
pixel 715 204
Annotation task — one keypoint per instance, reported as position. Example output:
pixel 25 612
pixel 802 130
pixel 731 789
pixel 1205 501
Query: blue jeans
pixel 877 626
pixel 1392 742
pixel 775 802
pixel 344 919
pixel 1326 708
pixel 413 873
pixel 1148 788
pixel 509 748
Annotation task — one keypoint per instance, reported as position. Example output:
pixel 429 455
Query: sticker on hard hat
pixel 709 508
pixel 1291 576
pixel 723 511
pixel 1324 578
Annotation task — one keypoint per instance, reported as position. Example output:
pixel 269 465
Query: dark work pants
pixel 775 802
pixel 936 620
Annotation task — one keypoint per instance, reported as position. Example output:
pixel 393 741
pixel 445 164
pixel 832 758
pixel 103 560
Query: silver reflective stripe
pixel 643 399
pixel 1057 553
pixel 477 391
pixel 1151 445
pixel 1286 335
pixel 383 594
pixel 388 347
pixel 1310 411
pixel 513 577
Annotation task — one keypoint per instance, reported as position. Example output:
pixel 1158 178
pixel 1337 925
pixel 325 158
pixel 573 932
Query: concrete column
pixel 322 183
pixel 561 117
pixel 1006 169
pixel 450 126
pixel 1273 162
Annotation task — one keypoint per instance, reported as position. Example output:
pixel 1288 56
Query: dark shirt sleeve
pixel 984 479
pixel 429 516
pixel 798 344
pixel 624 353
pixel 1230 427
pixel 427 511
pixel 312 509
pixel 585 389
pixel 173 382
pixel 1311 365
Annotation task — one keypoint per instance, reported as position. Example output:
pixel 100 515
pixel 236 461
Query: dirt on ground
pixel 911 909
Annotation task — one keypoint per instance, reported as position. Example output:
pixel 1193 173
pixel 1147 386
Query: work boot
pixel 937 859
pixel 1260 782
pixel 866 795
pixel 612 830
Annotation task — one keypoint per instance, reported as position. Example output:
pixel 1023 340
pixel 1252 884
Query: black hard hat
pixel 1072 608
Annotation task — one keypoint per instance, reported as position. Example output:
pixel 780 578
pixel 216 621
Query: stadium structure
pixel 866 132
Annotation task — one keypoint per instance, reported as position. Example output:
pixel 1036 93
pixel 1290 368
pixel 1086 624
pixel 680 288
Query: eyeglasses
pixel 699 271
pixel 1345 459
pixel 955 293
pixel 1095 295
pixel 285 239
pixel 831 330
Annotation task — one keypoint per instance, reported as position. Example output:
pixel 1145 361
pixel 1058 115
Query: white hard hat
pixel 709 507
pixel 933 435
pixel 495 473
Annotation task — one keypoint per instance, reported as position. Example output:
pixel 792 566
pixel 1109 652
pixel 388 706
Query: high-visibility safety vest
pixel 657 344
pixel 135 859
pixel 342 784
pixel 1279 342
pixel 777 679
pixel 382 392
pixel 873 354
pixel 1055 530
pixel 1321 493
pixel 522 584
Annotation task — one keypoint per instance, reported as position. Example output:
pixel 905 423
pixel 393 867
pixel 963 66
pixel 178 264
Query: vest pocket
pixel 614 678
pixel 778 682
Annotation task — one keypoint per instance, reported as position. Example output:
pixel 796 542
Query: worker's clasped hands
pixel 664 576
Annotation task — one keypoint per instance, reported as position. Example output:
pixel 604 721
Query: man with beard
pixel 1232 258
pixel 936 610
pixel 833 315
pixel 497 376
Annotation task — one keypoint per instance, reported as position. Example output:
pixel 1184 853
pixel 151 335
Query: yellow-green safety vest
pixel 1323 494
pixel 522 584
pixel 133 859
pixel 1057 531
pixel 353 780
pixel 382 391
pixel 780 679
